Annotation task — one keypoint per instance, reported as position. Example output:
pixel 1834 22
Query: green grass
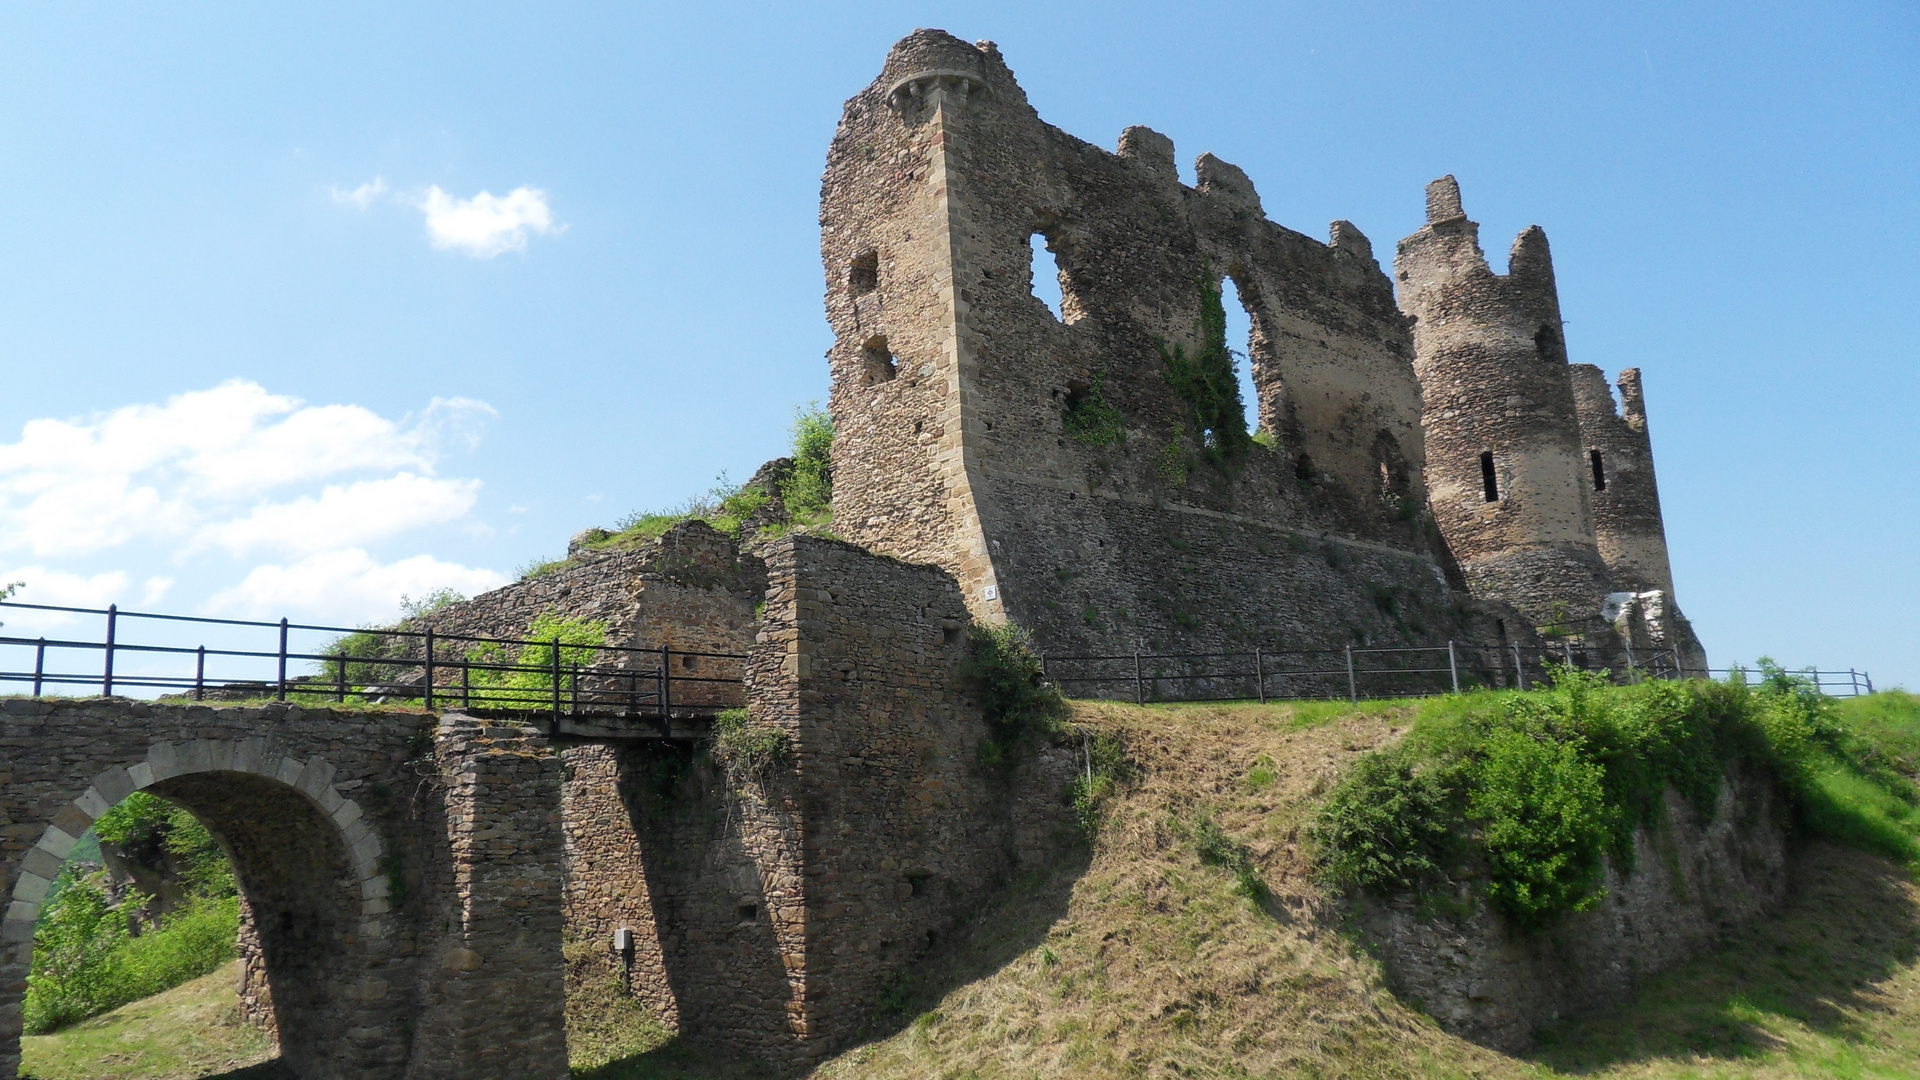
pixel 192 1030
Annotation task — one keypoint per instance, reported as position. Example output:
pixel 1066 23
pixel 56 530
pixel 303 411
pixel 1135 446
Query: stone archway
pixel 309 867
pixel 403 870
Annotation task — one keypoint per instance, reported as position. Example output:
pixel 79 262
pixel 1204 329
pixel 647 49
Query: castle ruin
pixel 425 884
pixel 1089 475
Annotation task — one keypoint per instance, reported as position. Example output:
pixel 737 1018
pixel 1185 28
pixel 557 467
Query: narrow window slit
pixel 1488 479
pixel 863 276
pixel 879 359
pixel 1599 470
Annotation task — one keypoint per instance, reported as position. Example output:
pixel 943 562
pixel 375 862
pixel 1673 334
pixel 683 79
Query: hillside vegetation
pixel 1198 940
pixel 1196 934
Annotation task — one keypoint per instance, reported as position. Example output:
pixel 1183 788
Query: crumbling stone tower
pixel 1543 489
pixel 1504 460
pixel 1059 466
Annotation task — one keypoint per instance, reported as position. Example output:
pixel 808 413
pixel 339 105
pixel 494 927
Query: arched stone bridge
pixel 402 872
pixel 408 878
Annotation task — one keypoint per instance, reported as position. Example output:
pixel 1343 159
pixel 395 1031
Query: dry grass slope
pixel 1150 963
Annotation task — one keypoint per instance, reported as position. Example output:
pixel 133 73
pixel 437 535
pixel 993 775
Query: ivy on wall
pixel 1205 381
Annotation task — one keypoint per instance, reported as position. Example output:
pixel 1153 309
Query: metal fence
pixel 1359 672
pixel 256 660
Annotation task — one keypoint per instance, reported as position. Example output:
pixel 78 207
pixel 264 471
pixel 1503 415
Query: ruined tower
pixel 1073 471
pixel 1626 508
pixel 1505 458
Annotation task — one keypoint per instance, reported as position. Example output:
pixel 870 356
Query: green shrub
pixel 143 826
pixel 529 681
pixel 1090 419
pixel 746 748
pixel 1533 791
pixel 85 962
pixel 808 491
pixel 1015 697
pixel 1206 382
pixel 1106 769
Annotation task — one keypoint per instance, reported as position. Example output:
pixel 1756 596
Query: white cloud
pixel 345 586
pixel 202 461
pixel 361 197
pixel 345 515
pixel 266 503
pixel 487 225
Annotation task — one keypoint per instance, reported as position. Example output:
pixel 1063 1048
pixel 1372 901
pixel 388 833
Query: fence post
pixel 200 674
pixel 281 693
pixel 1453 666
pixel 1139 687
pixel 466 684
pixel 1869 679
pixel 1353 685
pixel 1566 650
pixel 39 665
pixel 1260 673
pixel 556 683
pixel 666 682
pixel 106 678
pixel 340 685
pixel 427 693
pixel 576 689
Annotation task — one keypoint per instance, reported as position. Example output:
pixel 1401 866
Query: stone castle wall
pixel 1626 499
pixel 1693 882
pixel 952 382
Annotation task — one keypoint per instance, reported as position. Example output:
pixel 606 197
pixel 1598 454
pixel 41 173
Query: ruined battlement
pixel 1056 464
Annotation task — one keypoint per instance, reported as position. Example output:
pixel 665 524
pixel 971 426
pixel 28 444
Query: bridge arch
pixel 309 864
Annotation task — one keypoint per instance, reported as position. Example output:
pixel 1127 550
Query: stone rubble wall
pixel 355 855
pixel 690 590
pixel 955 451
pixel 1692 884
pixel 902 830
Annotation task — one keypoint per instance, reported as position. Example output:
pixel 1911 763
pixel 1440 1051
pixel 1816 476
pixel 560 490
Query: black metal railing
pixel 1360 672
pixel 560 675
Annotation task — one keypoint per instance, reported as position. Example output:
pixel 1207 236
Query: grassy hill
pixel 1192 940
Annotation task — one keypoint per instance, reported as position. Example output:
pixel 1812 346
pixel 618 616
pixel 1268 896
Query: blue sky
pixel 267 350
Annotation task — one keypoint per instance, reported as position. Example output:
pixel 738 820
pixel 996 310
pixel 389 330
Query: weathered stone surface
pixel 1545 494
pixel 324 949
pixel 1692 883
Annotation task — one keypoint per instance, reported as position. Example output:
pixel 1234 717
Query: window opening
pixel 1546 342
pixel 879 359
pixel 863 276
pixel 1046 275
pixel 1240 331
pixel 1599 470
pixel 1488 480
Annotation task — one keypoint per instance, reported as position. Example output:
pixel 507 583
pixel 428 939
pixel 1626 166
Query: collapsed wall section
pixel 977 430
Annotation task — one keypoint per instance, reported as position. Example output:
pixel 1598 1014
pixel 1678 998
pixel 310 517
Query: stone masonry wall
pixel 690 590
pixel 902 830
pixel 1692 883
pixel 362 858
pixel 952 381
pixel 1493 364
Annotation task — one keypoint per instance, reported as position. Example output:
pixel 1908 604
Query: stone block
pixel 114 785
